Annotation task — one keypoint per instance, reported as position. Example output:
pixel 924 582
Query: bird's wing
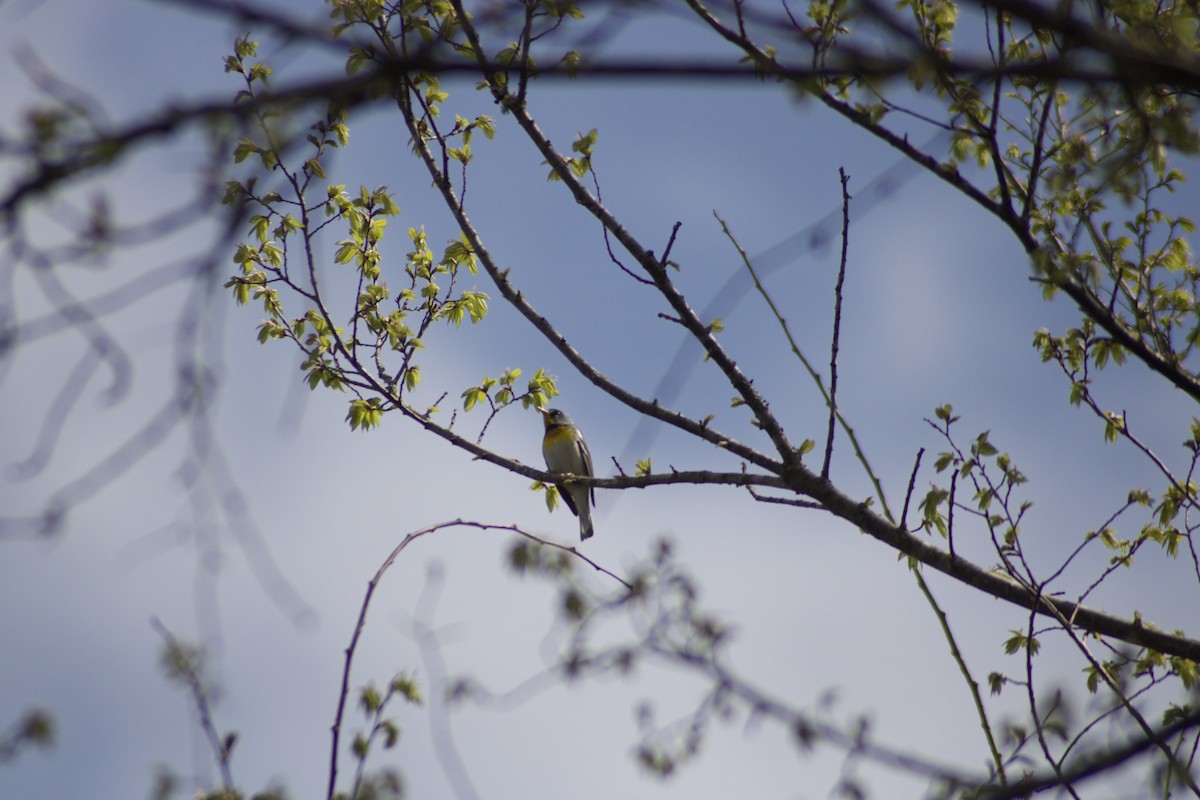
pixel 587 464
pixel 565 494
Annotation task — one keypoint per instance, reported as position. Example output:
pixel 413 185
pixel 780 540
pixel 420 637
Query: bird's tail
pixel 585 523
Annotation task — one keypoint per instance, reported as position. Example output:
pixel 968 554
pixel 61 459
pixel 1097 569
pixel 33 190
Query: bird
pixel 566 451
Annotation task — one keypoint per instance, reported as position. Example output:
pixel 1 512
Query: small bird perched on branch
pixel 565 451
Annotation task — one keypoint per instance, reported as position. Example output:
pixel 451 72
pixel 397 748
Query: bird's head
pixel 552 417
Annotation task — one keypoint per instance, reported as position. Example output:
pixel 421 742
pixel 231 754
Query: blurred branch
pixel 1132 63
pixel 184 663
pixel 670 625
pixel 425 634
pixel 373 584
pixel 34 729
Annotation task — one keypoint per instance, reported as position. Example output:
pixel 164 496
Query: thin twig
pixel 784 501
pixel 912 482
pixel 1038 721
pixel 608 242
pixel 950 514
pixel 972 684
pixel 666 256
pixel 816 376
pixel 837 324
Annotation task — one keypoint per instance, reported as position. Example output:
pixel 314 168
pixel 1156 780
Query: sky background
pixel 939 308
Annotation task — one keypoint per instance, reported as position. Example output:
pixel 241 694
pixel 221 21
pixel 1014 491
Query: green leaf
pixel 270 329
pixel 1113 426
pixel 585 142
pixel 471 397
pixel 369 699
pixel 244 149
pixel 355 61
pixel 1019 641
pixel 487 125
pixel 412 376
pixel 241 290
pixel 346 251
pixel 384 202
pixel 364 414
pixel 391 733
pixel 1186 670
pixel 574 605
pixel 408 688
pixel 234 191
pixel 260 225
pixel 539 390
pixel 571 62
pixel 476 304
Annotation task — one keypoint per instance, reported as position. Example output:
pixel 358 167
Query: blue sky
pixel 939 309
